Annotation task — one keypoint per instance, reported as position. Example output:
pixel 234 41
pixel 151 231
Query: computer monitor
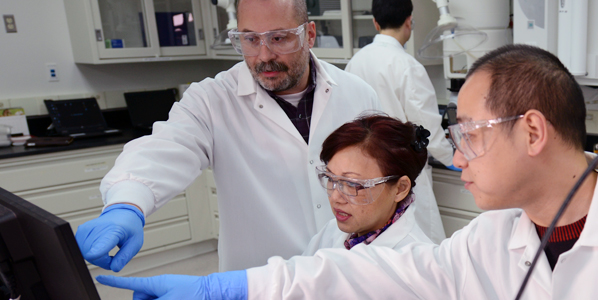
pixel 148 107
pixel 39 256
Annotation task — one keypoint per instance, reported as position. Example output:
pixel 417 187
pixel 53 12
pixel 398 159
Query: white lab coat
pixel 397 235
pixel 487 259
pixel 406 93
pixel 270 201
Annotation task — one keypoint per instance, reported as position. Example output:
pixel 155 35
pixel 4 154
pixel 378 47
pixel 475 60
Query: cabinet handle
pixel 99 35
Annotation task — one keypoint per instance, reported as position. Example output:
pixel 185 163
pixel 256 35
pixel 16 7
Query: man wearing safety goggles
pixel 259 126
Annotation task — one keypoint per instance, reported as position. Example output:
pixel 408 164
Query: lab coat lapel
pixel 264 104
pixel 397 231
pixel 590 237
pixel 525 236
pixel 321 95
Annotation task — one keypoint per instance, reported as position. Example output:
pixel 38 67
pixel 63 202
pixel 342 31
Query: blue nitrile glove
pixel 228 285
pixel 119 225
pixel 452 167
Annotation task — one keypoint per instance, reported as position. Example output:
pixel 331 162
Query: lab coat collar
pixel 397 231
pixel 525 236
pixel 387 39
pixel 590 237
pixel 247 85
pixel 525 231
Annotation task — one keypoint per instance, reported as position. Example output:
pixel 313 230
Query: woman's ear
pixel 402 187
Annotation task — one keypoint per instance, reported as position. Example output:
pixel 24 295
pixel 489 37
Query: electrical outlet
pixel 10 24
pixel 51 72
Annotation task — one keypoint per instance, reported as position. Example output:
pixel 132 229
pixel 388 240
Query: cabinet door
pixel 179 27
pixel 123 28
pixel 333 28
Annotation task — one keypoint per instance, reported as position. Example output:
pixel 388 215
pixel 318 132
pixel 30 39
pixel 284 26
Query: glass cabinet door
pixel 333 38
pixel 122 28
pixel 363 26
pixel 179 27
pixel 218 40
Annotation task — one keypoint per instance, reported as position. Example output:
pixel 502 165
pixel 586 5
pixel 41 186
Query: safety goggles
pixel 473 138
pixel 278 41
pixel 355 191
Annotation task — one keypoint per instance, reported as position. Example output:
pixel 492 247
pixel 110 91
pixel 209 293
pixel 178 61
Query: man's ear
pixel 311 34
pixel 403 186
pixel 376 25
pixel 536 130
pixel 408 23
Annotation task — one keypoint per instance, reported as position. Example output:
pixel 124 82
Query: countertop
pixel 115 118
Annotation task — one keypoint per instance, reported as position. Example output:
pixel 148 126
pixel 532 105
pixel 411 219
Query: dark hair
pixel 300 7
pixel 386 139
pixel 391 13
pixel 525 77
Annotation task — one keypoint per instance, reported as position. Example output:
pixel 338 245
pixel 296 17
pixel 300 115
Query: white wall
pixel 43 37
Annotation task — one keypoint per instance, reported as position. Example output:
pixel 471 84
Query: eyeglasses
pixel 472 138
pixel 355 191
pixel 278 41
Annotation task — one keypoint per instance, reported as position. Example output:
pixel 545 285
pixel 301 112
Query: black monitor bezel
pixel 52 246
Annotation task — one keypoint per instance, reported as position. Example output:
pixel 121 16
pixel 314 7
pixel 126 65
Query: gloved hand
pixel 119 225
pixel 228 285
pixel 452 167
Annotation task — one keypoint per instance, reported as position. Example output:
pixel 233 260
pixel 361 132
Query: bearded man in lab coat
pixel 406 93
pixel 259 126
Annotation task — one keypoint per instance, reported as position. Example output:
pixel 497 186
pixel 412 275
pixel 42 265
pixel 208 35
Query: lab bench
pixel 65 181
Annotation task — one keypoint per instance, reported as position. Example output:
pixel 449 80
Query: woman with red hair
pixel 370 168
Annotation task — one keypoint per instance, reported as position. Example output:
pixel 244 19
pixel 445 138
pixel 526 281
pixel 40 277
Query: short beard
pixel 294 73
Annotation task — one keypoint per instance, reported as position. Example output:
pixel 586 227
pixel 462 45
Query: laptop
pixel 148 107
pixel 78 118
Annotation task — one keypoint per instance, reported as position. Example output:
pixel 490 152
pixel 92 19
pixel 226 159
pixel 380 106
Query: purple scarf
pixel 353 239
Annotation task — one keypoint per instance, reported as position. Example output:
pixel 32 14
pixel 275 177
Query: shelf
pixel 363 17
pixel 329 17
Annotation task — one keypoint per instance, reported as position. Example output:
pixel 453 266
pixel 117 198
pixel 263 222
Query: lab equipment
pixel 356 191
pixel 228 285
pixel 78 118
pixel 124 225
pixel 563 28
pixel 474 145
pixel 39 258
pixel 278 41
pixel 5 135
pixel 221 41
pixel 465 32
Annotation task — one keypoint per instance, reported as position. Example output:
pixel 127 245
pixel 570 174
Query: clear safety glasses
pixel 473 138
pixel 355 191
pixel 278 41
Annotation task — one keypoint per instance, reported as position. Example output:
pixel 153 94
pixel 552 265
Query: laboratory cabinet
pixel 115 31
pixel 456 204
pixel 66 183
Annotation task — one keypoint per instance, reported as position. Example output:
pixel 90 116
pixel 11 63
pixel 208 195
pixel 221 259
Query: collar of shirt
pixel 388 40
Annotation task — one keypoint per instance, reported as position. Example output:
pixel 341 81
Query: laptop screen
pixel 76 115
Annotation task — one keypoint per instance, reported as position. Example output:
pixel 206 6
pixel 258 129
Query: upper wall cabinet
pixel 116 31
